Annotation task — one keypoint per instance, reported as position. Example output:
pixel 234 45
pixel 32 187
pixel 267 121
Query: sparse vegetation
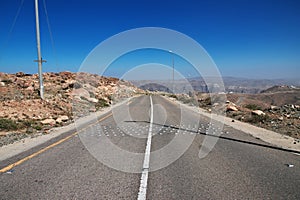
pixel 8 124
pixel 101 104
pixel 173 96
pixel 30 124
pixel 111 97
pixel 11 125
pixel 187 100
pixel 257 119
pixel 253 107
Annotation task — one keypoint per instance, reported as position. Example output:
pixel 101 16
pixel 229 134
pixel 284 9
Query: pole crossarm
pixel 41 61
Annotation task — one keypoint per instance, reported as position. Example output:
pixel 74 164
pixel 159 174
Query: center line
pixel 145 171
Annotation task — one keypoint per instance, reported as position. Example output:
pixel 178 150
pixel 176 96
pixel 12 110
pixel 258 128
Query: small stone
pixel 49 121
pixel 258 112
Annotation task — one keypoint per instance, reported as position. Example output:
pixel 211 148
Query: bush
pixel 253 107
pixel 28 123
pixel 111 97
pixel 187 100
pixel 207 101
pixel 31 124
pixel 8 124
pixel 37 127
pixel 101 103
pixel 257 118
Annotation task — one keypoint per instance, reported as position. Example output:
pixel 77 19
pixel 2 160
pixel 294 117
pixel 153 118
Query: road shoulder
pixel 25 144
pixel 265 135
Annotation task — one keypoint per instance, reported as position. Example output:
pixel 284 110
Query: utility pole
pixel 173 70
pixel 39 60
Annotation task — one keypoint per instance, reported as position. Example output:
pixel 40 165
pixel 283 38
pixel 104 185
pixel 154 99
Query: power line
pixel 51 35
pixel 12 26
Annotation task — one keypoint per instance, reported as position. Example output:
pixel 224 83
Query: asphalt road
pixel 77 168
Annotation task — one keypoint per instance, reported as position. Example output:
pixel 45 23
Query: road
pixel 78 167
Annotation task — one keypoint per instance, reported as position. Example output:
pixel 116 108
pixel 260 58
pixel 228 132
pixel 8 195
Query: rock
pixel 81 92
pixel 62 118
pixel 48 121
pixel 93 100
pixel 92 110
pixel 20 74
pixel 231 108
pixel 66 75
pixel 215 104
pixel 23 83
pixel 2 84
pixel 30 88
pixel 280 118
pixel 258 112
pixel 274 107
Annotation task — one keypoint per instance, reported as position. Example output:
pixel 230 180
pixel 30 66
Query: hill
pixel 276 108
pixel 231 84
pixel 67 97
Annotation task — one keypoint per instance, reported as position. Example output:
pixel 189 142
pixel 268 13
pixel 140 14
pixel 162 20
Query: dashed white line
pixel 144 177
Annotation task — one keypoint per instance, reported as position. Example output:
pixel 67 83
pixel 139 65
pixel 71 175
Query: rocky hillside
pixel 67 96
pixel 275 109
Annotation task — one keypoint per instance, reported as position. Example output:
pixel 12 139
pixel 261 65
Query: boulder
pixel 58 120
pixel 48 121
pixel 258 112
pixel 81 92
pixel 93 100
pixel 64 118
pixel 274 107
pixel 231 108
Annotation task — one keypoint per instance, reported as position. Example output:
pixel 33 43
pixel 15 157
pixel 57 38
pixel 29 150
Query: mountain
pixel 231 84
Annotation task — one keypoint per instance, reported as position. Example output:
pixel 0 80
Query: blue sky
pixel 255 39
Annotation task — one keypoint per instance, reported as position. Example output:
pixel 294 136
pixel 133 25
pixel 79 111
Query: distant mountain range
pixel 231 84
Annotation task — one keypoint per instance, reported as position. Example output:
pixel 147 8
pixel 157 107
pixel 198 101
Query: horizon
pixel 246 39
pixel 176 79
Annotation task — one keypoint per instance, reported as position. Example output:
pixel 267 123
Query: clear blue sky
pixel 257 38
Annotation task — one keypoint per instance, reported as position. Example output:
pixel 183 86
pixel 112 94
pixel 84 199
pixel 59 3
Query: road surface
pixel 234 169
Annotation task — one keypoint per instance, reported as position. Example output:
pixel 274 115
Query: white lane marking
pixel 144 177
